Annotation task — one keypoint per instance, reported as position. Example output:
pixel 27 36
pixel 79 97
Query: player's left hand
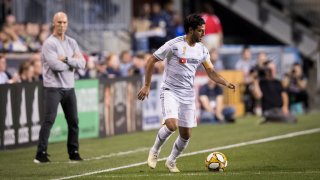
pixel 231 86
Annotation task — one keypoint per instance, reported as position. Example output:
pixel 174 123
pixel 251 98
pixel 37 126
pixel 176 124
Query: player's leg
pixel 170 115
pixel 186 122
pixel 164 133
pixel 179 145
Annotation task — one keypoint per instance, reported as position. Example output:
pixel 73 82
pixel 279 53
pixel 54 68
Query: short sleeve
pixel 162 53
pixel 206 55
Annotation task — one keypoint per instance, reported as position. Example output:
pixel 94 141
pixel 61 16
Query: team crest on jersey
pixel 184 50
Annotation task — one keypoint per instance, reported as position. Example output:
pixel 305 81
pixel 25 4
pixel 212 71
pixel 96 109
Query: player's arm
pixel 213 75
pixel 144 92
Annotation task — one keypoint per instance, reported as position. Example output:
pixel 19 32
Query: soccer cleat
pixel 41 157
pixel 75 156
pixel 171 166
pixel 152 159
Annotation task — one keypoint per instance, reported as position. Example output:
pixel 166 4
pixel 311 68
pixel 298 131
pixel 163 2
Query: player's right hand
pixel 143 93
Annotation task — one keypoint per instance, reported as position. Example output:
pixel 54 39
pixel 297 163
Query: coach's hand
pixel 144 92
pixel 76 56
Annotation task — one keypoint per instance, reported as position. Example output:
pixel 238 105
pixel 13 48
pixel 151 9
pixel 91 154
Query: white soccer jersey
pixel 181 64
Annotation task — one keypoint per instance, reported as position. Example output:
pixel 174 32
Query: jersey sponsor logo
pixel 182 60
pixel 192 61
pixel 188 60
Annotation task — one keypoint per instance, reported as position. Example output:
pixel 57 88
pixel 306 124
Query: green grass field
pixel 291 158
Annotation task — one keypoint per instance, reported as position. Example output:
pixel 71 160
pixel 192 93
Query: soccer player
pixel 182 56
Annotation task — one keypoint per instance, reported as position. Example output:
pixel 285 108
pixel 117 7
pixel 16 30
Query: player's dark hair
pixel 193 21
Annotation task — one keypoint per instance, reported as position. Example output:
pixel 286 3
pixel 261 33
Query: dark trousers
pixel 52 98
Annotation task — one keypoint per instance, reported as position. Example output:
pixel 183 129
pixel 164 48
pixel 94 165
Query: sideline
pixel 107 156
pixel 273 138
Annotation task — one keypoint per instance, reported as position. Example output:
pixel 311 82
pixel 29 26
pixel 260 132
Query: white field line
pixel 273 138
pixel 117 154
pixel 205 174
pixel 109 155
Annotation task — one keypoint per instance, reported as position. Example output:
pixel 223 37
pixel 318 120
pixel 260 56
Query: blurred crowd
pixel 22 37
pixel 151 27
pixel 266 90
pixel 110 65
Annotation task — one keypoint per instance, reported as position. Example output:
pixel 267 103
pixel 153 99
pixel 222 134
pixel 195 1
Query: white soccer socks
pixel 179 145
pixel 162 136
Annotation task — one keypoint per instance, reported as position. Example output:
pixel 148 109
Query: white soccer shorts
pixel 172 108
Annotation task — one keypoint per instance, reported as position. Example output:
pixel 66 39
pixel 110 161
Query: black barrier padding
pixel 20 123
pixel 120 110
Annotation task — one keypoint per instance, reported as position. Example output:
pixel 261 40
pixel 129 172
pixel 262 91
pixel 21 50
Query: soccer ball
pixel 216 161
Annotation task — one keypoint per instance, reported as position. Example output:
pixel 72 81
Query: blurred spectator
pixel 213 33
pixel 26 72
pixel 140 26
pixel 159 22
pixel 245 64
pixel 5 77
pixel 258 71
pixel 273 97
pixel 212 107
pixel 178 24
pixel 111 66
pixel 19 37
pixel 5 10
pixel 259 68
pixel 138 65
pixel 295 84
pixel 37 66
pixel 21 32
pixel 5 42
pixel 33 30
pixel 90 70
pixel 216 61
pixel 125 62
pixel 168 15
pixel 16 44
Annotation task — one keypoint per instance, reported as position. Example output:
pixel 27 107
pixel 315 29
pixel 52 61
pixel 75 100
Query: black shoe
pixel 75 156
pixel 41 157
